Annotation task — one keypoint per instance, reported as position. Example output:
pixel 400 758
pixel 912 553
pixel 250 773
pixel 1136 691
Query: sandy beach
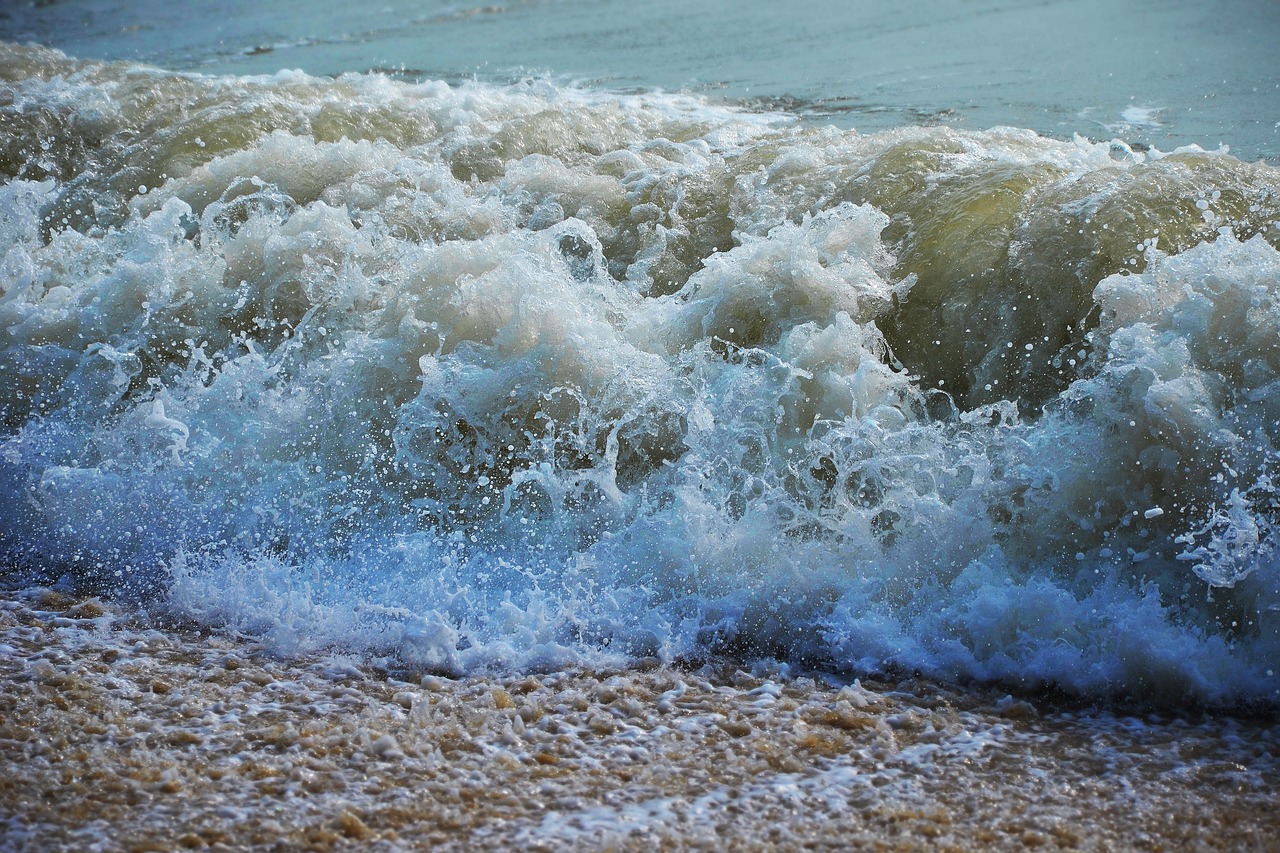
pixel 115 735
pixel 429 425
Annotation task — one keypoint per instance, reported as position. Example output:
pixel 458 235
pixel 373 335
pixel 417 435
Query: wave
pixel 525 376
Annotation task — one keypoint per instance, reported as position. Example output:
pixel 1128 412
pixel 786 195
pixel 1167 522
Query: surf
pixel 523 376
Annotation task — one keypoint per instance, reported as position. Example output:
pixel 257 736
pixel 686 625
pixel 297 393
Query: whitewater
pixel 486 377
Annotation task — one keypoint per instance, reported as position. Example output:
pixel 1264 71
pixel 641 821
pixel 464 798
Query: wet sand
pixel 116 735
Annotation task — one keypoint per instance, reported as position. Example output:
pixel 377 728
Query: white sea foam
pixel 527 376
pixel 1140 116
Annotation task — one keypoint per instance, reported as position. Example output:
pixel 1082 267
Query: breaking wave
pixel 529 376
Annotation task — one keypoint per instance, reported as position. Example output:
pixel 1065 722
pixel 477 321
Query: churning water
pixel 504 373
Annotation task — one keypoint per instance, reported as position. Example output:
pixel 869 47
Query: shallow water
pixel 483 375
pixel 534 375
pixel 115 735
pixel 577 434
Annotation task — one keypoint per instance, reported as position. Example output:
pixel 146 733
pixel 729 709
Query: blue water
pixel 1166 73
pixel 552 333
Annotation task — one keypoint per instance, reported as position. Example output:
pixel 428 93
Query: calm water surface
pixel 1164 73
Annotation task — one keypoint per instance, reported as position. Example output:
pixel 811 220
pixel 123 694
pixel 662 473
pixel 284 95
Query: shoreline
pixel 115 735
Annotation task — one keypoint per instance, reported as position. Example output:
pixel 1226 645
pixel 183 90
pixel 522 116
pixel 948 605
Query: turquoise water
pixel 1165 73
pixel 572 336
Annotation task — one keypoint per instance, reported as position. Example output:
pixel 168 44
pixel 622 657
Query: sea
pixel 932 345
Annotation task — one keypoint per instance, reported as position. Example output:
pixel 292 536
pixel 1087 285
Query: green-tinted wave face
pixel 1007 236
pixel 546 374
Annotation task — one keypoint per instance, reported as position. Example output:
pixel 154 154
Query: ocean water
pixel 550 334
pixel 1165 73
